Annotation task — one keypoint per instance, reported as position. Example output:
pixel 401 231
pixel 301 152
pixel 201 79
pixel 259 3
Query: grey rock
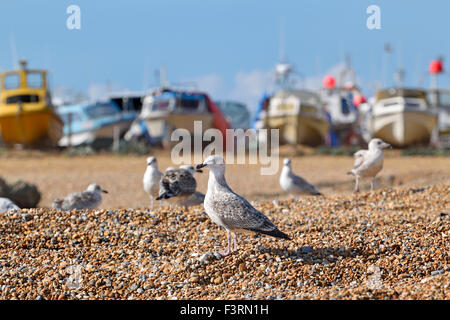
pixel 7 205
pixel 26 217
pixel 23 194
pixel 206 257
pixel 306 250
pixel 133 287
pixel 437 272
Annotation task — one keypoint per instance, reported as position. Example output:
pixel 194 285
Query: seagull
pixel 152 177
pixel 292 183
pixel 231 211
pixel 369 162
pixel 197 197
pixel 89 199
pixel 176 185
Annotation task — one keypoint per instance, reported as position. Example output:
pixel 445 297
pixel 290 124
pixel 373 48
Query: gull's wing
pixel 237 213
pixel 303 185
pixel 176 182
pixel 76 200
pixel 359 158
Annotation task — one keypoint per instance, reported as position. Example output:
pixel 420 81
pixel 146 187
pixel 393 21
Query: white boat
pixel 97 124
pixel 298 114
pixel 167 110
pixel 400 117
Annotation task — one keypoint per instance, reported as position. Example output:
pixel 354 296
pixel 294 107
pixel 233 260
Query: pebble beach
pixel 392 243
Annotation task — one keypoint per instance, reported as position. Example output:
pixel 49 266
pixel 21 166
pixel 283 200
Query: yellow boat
pixel 27 116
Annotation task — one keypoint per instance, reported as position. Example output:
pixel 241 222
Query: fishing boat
pixel 400 117
pixel 341 97
pixel 27 116
pixel 297 114
pixel 96 124
pixel 166 110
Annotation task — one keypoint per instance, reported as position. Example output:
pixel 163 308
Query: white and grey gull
pixel 368 163
pixel 292 183
pixel 231 211
pixel 152 177
pixel 89 199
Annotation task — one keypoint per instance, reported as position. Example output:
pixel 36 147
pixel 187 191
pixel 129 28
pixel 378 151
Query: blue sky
pixel 227 47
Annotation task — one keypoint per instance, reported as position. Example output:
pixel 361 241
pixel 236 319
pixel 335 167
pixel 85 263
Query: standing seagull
pixel 231 211
pixel 152 177
pixel 176 185
pixel 197 197
pixel 292 183
pixel 369 162
pixel 89 199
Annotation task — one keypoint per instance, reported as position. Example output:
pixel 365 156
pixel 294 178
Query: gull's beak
pixel 104 191
pixel 199 166
pixel 387 145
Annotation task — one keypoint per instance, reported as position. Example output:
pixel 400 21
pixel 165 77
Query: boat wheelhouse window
pixel 101 110
pixel 345 108
pixel 412 105
pixel 444 99
pixel 189 105
pixel 35 80
pixel 265 106
pixel 23 98
pixel 129 103
pixel 162 105
pixel 11 81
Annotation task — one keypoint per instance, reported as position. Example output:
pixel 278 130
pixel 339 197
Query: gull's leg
pixel 371 183
pixel 152 201
pixel 234 241
pixel 225 253
pixel 356 184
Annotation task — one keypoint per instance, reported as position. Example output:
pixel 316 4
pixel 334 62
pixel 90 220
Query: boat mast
pixel 399 75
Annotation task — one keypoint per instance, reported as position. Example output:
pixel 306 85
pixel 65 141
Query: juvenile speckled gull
pixel 294 184
pixel 176 185
pixel 231 211
pixel 197 197
pixel 152 177
pixel 89 199
pixel 369 162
